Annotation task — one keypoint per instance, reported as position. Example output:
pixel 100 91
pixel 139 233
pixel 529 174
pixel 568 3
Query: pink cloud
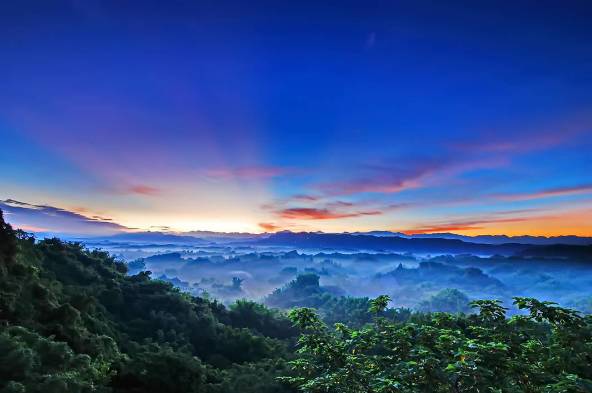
pixel 470 224
pixel 248 172
pixel 302 213
pixel 440 229
pixel 385 179
pixel 143 189
pixel 269 227
pixel 551 192
pixel 516 140
pixel 338 204
pixel 47 218
pixel 305 198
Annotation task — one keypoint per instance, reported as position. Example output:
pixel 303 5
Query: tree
pixel 7 244
pixel 73 320
pixel 447 300
pixel 547 350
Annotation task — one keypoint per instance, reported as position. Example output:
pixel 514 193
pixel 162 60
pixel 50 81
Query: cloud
pixel 45 218
pixel 547 193
pixel 161 228
pixel 372 185
pixel 302 213
pixel 489 149
pixel 464 225
pixel 398 206
pixel 247 172
pixel 143 189
pixel 314 208
pixel 440 229
pixel 386 178
pixel 514 140
pixel 269 227
pixel 338 204
pixel 491 144
pixel 305 198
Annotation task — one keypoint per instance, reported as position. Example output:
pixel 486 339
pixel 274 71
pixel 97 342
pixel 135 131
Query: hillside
pixel 73 321
pixel 393 243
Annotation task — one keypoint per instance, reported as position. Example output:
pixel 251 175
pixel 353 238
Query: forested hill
pixel 427 245
pixel 71 320
pixel 394 243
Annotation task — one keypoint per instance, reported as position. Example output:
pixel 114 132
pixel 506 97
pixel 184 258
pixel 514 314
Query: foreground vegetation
pixel 73 320
pixel 547 350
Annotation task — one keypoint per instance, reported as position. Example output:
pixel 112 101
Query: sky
pixel 415 116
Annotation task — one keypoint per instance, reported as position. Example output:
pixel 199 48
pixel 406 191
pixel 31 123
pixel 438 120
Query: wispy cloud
pixel 454 226
pixel 499 217
pixel 247 172
pixel 386 179
pixel 45 218
pixel 325 208
pixel 340 204
pixel 269 227
pixel 524 140
pixel 547 193
pixel 305 198
pixel 320 214
pixel 143 189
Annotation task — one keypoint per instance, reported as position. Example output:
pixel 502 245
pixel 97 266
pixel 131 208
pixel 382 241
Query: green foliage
pixel 379 304
pixel 7 244
pixel 447 300
pixel 547 350
pixel 257 317
pixel 159 369
pixel 356 312
pixel 32 363
pixel 305 291
pixel 72 320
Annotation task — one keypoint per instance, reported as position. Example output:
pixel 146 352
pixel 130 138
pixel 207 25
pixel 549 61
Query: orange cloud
pixel 575 221
pixel 269 227
pixel 32 228
pixel 320 214
pixel 143 189
pixel 462 225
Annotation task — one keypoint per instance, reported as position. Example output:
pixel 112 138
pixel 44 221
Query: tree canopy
pixel 75 320
pixel 547 349
pixel 72 320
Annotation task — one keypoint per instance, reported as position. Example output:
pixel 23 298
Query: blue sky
pixel 472 117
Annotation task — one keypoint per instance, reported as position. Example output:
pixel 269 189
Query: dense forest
pixel 76 320
pixel 73 321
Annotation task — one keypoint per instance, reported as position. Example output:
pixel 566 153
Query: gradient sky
pixel 469 117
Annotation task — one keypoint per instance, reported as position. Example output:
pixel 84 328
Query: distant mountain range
pixel 346 241
pixel 438 243
pixel 426 245
pixel 500 239
pixel 488 239
pixel 151 237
